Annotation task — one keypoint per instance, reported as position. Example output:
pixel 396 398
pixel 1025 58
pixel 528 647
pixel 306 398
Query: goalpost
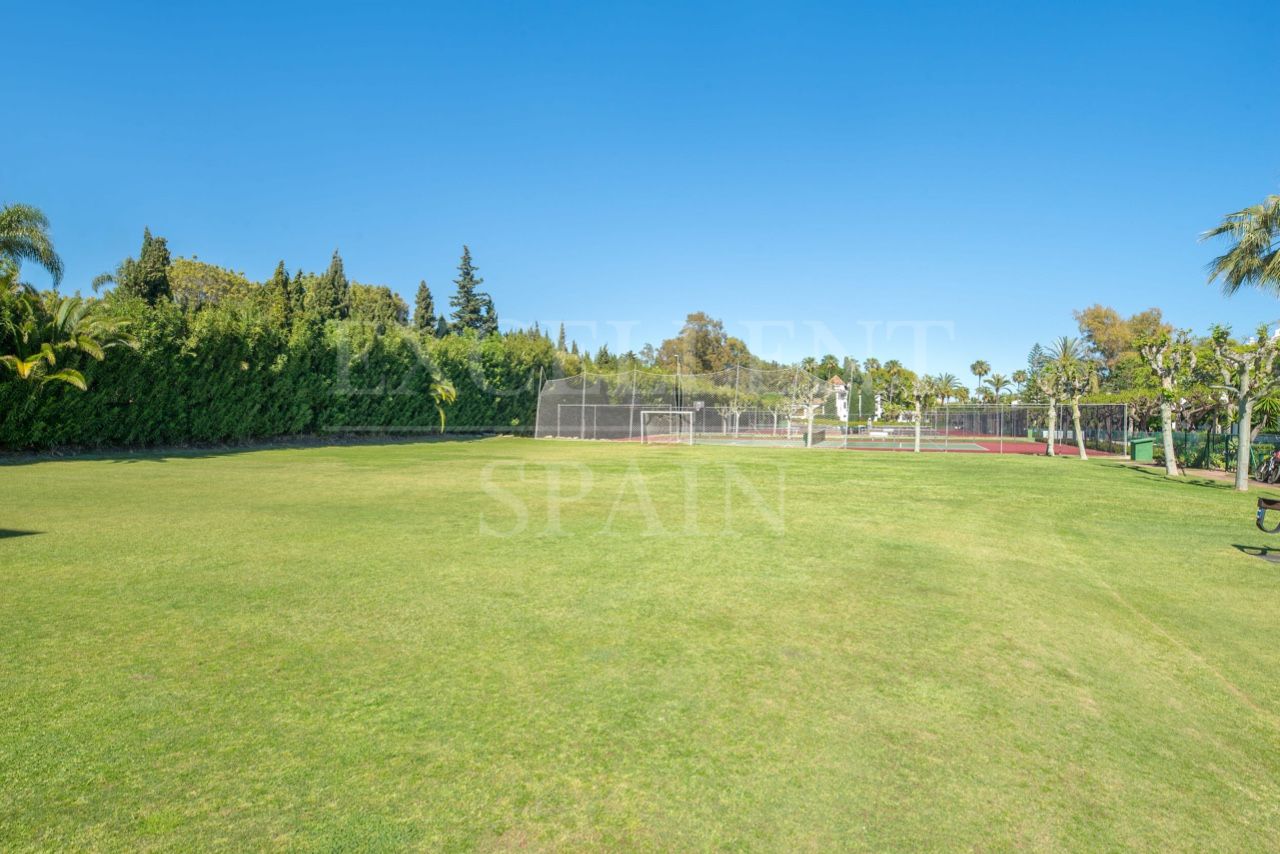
pixel 666 426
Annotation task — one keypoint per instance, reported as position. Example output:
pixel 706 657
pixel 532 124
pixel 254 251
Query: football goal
pixel 666 426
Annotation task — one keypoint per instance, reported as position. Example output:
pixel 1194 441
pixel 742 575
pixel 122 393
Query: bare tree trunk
pixel 1053 422
pixel 1075 425
pixel 1166 429
pixel 918 417
pixel 1244 442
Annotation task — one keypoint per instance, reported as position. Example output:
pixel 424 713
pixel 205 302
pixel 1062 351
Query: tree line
pixel 199 352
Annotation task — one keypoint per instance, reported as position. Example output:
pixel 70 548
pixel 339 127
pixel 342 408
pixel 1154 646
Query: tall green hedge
pixel 229 374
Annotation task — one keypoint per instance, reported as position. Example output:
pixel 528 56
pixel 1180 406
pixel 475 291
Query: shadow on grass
pixel 1267 553
pixel 163 454
pixel 1185 480
pixel 6 533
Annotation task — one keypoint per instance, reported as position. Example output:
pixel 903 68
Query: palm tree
pixel 43 329
pixel 948 387
pixel 24 236
pixel 999 384
pixel 980 369
pixel 1020 378
pixel 442 393
pixel 1254 258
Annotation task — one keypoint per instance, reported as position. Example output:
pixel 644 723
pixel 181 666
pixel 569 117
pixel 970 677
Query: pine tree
pixel 279 292
pixel 424 310
pixel 472 308
pixel 331 297
pixel 560 340
pixel 1036 359
pixel 442 326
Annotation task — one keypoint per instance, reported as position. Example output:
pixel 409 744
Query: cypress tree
pixel 279 292
pixel 442 327
pixel 148 277
pixel 560 340
pixel 298 294
pixel 488 316
pixel 331 297
pixel 424 310
pixel 471 307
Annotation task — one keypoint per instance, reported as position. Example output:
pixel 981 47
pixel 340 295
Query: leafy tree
pixel 378 304
pixel 146 278
pixel 424 310
pixel 1112 338
pixel 472 308
pixel 330 296
pixel 24 236
pixel 1249 373
pixel 1172 358
pixel 194 284
pixel 1254 257
pixel 702 346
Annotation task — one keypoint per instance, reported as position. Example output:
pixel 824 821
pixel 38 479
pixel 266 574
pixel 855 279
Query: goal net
pixel 666 426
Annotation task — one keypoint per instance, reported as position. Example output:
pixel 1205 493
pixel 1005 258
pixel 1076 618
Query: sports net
pixel 738 405
pixel 790 407
pixel 666 426
pixel 1005 428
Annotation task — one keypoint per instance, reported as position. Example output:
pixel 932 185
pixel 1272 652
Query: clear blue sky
pixel 990 166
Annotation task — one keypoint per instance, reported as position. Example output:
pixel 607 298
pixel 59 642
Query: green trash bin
pixel 1140 450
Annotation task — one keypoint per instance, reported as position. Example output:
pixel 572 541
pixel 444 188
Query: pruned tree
pixel 924 390
pixel 1076 374
pixel 1172 358
pixel 1248 373
pixel 1049 385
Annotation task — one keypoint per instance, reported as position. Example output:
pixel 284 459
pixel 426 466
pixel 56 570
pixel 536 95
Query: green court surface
pixel 519 644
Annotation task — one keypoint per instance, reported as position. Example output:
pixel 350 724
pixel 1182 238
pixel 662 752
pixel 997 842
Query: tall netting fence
pixel 747 406
pixel 738 405
pixel 1026 428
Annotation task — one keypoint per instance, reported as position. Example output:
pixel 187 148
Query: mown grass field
pixel 412 645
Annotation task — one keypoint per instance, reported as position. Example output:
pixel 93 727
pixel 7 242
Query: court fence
pixel 791 407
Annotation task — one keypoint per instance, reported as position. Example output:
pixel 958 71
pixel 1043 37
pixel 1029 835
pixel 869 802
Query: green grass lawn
pixel 406 645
